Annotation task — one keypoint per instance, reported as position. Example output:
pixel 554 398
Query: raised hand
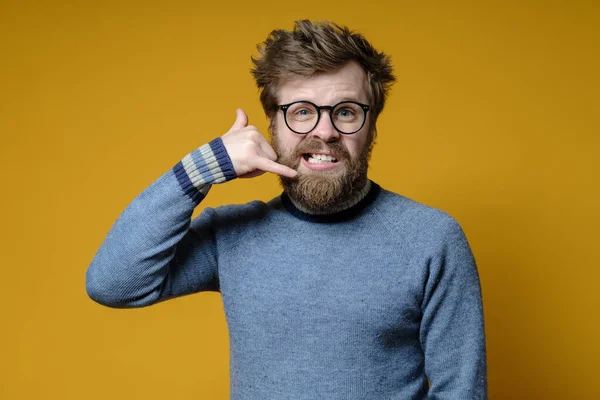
pixel 250 152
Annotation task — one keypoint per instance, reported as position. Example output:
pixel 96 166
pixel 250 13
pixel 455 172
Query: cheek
pixel 354 144
pixel 287 138
pixel 357 143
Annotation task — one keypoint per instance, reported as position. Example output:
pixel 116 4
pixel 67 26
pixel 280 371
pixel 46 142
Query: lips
pixel 316 158
pixel 317 154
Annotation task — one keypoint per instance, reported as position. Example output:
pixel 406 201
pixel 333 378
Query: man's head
pixel 326 65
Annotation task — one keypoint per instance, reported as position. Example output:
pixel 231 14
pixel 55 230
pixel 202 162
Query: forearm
pixel 135 265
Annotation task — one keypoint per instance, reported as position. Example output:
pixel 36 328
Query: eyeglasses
pixel 302 117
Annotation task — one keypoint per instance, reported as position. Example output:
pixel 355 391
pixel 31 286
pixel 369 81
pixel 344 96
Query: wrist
pixel 207 165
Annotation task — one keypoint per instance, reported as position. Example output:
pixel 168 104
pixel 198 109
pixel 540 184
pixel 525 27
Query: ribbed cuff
pixel 203 167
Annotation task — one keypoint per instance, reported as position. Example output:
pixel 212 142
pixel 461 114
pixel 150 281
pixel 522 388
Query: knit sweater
pixel 379 301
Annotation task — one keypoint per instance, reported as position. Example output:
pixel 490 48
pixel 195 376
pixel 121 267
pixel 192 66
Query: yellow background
pixel 495 119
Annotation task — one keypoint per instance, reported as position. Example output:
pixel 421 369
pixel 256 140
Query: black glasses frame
pixel 285 107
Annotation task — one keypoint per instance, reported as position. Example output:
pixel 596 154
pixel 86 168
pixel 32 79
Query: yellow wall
pixel 494 119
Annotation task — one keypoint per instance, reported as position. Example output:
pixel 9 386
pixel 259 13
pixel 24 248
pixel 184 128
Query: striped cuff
pixel 203 167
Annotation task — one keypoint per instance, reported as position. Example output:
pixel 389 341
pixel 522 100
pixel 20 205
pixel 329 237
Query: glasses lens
pixel 301 117
pixel 348 117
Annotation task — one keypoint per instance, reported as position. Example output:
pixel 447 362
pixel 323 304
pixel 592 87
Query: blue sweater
pixel 380 301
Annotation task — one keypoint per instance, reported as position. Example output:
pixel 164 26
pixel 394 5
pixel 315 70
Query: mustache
pixel 314 145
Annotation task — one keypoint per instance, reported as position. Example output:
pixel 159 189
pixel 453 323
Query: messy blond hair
pixel 313 47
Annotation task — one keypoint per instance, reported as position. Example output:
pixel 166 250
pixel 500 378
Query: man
pixel 337 289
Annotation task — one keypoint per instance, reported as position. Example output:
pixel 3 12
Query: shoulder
pixel 237 213
pixel 414 220
pixel 250 210
pixel 238 217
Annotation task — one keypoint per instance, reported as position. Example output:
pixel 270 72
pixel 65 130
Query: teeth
pixel 320 158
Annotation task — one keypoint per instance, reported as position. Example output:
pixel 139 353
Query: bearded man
pixel 338 288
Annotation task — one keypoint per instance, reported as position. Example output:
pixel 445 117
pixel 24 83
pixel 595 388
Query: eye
pixel 345 112
pixel 302 112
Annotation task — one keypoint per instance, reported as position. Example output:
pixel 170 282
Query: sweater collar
pixel 346 211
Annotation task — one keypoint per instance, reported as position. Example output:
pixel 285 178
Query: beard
pixel 323 191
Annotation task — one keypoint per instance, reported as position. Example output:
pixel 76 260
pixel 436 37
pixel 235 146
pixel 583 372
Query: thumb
pixel 241 120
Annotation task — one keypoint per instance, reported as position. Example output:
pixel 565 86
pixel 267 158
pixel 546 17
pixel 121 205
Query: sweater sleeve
pixel 154 251
pixel 452 326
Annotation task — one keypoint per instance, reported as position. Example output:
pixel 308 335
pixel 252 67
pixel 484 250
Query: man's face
pixel 323 183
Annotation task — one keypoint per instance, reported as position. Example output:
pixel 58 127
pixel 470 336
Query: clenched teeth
pixel 319 158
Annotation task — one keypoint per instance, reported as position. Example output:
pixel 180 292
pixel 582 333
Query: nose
pixel 325 129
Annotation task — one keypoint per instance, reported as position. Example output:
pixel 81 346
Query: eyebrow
pixel 336 101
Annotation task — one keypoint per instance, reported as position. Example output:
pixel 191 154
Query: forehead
pixel 327 88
